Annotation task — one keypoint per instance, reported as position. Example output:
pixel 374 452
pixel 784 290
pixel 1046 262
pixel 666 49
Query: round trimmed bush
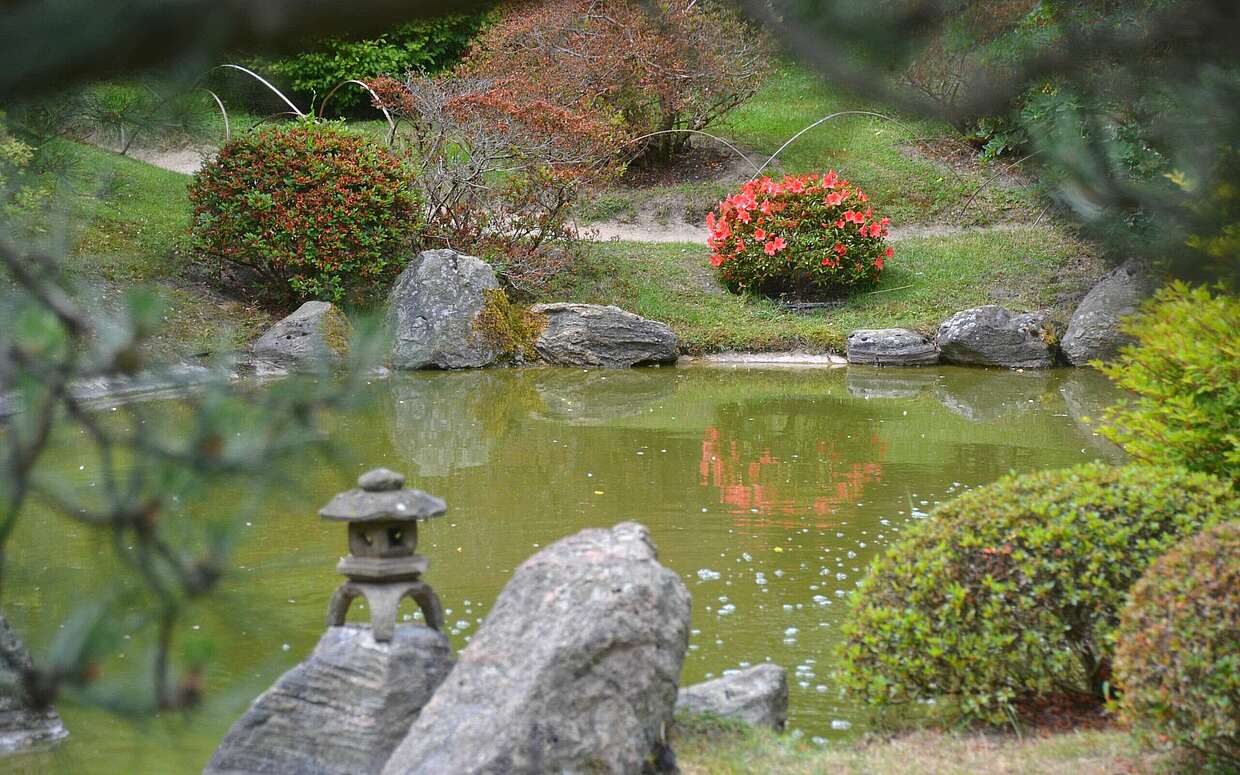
pixel 805 237
pixel 305 211
pixel 1013 591
pixel 1177 658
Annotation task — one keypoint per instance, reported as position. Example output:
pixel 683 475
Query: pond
pixel 768 491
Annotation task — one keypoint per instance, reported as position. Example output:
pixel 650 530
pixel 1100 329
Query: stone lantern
pixel 381 565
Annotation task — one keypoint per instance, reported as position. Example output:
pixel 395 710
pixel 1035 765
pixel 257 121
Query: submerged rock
pixel 22 728
pixel 1094 331
pixel 993 336
pixel 757 696
pixel 343 710
pixel 891 347
pixel 317 333
pixel 432 311
pixel 609 337
pixel 574 670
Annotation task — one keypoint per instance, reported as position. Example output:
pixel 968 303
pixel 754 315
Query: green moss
pixel 508 328
pixel 337 331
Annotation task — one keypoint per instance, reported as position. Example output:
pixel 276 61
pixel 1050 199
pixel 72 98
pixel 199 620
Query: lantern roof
pixel 380 497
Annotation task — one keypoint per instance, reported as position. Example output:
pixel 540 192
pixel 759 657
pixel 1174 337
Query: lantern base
pixel 384 601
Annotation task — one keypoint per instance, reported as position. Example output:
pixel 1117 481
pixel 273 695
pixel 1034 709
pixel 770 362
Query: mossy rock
pixel 510 329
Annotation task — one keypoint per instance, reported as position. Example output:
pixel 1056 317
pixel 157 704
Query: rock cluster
pixel 343 710
pixel 596 336
pixel 757 696
pixel 316 334
pixel 22 727
pixel 1094 330
pixel 574 670
pixel 443 308
pixel 993 336
pixel 891 347
pixel 432 309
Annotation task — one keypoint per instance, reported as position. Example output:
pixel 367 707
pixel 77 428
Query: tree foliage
pixel 422 46
pixel 656 67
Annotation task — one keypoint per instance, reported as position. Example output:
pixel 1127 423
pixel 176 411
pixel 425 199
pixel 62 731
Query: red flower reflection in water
pixel 759 490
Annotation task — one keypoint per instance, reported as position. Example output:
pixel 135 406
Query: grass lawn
pixel 899 164
pixel 929 279
pixel 127 223
pixel 703 747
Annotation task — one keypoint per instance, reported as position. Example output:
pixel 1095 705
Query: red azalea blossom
pixel 809 211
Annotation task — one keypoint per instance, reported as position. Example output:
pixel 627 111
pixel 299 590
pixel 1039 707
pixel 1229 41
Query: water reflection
pixel 984 395
pixel 768 491
pixel 815 476
pixel 596 397
pixel 450 421
pixel 873 382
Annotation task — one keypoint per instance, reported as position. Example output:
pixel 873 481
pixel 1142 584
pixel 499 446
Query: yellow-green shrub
pixel 1012 591
pixel 1185 371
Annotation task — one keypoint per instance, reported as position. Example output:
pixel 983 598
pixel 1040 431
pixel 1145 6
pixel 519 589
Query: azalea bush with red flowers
pixel 804 237
pixel 306 210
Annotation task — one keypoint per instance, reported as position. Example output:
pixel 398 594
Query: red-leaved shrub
pixel 305 211
pixel 640 67
pixel 803 237
pixel 498 174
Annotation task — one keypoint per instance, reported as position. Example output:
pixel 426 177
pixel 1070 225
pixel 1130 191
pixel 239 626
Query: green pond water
pixel 768 491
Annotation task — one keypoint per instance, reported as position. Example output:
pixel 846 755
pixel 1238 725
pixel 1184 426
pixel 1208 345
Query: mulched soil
pixel 703 162
pixel 1063 713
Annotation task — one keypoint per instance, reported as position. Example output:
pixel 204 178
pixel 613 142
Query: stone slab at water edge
pixel 993 336
pixel 574 670
pixel 317 333
pixel 598 336
pixel 891 347
pixel 343 710
pixel 22 728
pixel 432 310
pixel 1094 331
pixel 757 696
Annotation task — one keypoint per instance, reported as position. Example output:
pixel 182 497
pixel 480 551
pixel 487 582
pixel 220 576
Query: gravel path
pixel 684 232
pixel 187 161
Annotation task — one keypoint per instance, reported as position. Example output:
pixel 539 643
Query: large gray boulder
pixel 343 710
pixel 432 311
pixel 993 336
pixel 608 337
pixel 574 670
pixel 891 347
pixel 317 333
pixel 22 727
pixel 1094 330
pixel 757 696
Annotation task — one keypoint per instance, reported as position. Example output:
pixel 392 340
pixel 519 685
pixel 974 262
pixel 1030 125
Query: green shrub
pixel 425 45
pixel 1013 591
pixel 306 211
pixel 1185 370
pixel 1177 659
